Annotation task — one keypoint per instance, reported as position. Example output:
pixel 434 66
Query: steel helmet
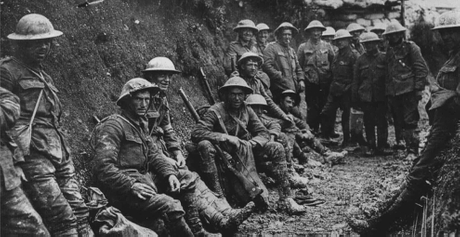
pixel 394 27
pixel 252 55
pixel 162 64
pixel 246 24
pixel 291 93
pixel 262 26
pixel 368 37
pixel 315 24
pixel 342 34
pixel 256 99
pixel 236 82
pixel 287 25
pixel 135 85
pixel 378 27
pixel 450 19
pixel 34 27
pixel 355 27
pixel 329 31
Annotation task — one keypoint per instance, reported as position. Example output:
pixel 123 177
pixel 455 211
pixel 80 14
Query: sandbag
pixel 113 223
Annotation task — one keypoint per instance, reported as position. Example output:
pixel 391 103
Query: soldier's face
pixel 394 38
pixel 162 79
pixel 140 102
pixel 35 51
pixel 371 47
pixel 250 68
pixel 258 109
pixel 235 97
pixel 246 34
pixel 342 43
pixel 287 104
pixel 356 34
pixel 316 34
pixel 327 38
pixel 451 38
pixel 285 37
pixel 262 36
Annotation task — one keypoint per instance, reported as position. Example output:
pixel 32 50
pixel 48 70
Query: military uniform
pixel 234 52
pixel 49 167
pixel 407 72
pixel 315 59
pixel 124 154
pixel 340 91
pixel 358 47
pixel 283 68
pixel 18 216
pixel 369 91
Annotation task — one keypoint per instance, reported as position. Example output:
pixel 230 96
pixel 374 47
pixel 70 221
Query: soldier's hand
pixel 302 86
pixel 20 173
pixel 180 159
pixel 232 140
pixel 174 183
pixel 142 191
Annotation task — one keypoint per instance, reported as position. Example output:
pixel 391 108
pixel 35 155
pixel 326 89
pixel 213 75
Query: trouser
pixel 271 158
pixel 55 193
pixel 246 166
pixel 330 110
pixel 397 123
pixel 18 217
pixel 443 129
pixel 316 97
pixel 374 117
pixel 406 114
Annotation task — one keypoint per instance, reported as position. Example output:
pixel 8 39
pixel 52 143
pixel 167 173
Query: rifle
pixel 207 87
pixel 251 187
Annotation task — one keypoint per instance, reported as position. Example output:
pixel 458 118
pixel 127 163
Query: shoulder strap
pixel 219 117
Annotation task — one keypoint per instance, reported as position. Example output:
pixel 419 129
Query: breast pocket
pixel 284 62
pixel 309 59
pixel 133 149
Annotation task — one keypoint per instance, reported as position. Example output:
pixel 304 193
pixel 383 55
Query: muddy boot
pixel 297 181
pixel 289 206
pixel 332 157
pixel 193 218
pixel 179 227
pixel 230 221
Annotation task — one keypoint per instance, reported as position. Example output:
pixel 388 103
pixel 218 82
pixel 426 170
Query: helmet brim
pixel 446 27
pixel 49 35
pixel 153 90
pixel 161 70
pixel 236 29
pixel 314 27
pixel 394 32
pixel 224 88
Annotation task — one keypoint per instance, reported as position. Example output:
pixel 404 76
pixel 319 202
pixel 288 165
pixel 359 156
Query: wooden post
pixel 403 21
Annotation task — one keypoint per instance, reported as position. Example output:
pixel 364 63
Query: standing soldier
pixel 328 35
pixel 407 72
pixel 134 174
pixel 446 104
pixel 315 58
pixel 262 37
pixel 246 30
pixel 368 91
pixel 340 91
pixel 378 29
pixel 160 71
pixel 281 63
pixel 48 166
pixel 356 30
pixel 236 129
pixel 18 217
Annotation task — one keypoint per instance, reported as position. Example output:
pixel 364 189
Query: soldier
pixel 407 72
pixel 262 37
pixel 378 29
pixel 48 166
pixel 300 132
pixel 315 58
pixel 446 103
pixel 340 91
pixel 248 69
pixel 236 129
pixel 18 216
pixel 134 175
pixel 281 63
pixel 328 35
pixel 368 90
pixel 160 71
pixel 246 30
pixel 356 30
